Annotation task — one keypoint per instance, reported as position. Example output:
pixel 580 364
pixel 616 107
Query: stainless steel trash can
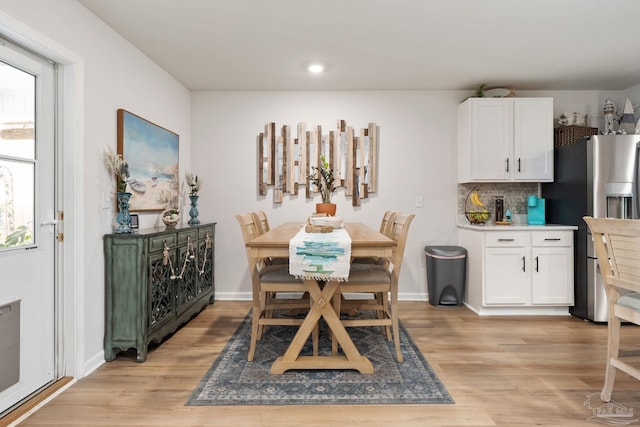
pixel 446 274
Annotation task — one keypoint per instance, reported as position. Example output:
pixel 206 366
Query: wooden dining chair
pixel 382 281
pixel 261 221
pixel 385 228
pixel 262 226
pixel 267 280
pixel 387 222
pixel 617 244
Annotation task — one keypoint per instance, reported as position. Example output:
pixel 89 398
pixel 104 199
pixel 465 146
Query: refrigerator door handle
pixel 635 192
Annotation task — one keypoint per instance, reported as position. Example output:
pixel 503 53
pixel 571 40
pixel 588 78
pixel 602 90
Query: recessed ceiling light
pixel 315 68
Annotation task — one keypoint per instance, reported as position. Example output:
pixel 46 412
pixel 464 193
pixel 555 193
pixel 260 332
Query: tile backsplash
pixel 515 195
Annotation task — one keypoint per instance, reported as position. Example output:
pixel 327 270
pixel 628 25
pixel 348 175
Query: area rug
pixel 232 380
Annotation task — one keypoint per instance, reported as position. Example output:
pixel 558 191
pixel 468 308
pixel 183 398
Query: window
pixel 17 157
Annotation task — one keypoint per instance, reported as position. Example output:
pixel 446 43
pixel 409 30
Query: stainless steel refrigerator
pixel 596 176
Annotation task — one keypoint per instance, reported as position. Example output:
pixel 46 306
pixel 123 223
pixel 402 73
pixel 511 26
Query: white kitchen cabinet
pixel 505 140
pixel 507 282
pixel 552 269
pixel 526 270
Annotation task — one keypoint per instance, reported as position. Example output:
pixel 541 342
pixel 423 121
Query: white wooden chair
pixel 381 280
pixel 617 244
pixel 267 280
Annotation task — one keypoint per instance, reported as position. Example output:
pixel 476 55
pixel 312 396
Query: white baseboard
pixel 93 363
pixel 521 311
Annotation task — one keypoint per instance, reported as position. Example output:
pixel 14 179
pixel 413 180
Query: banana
pixel 475 199
pixel 472 197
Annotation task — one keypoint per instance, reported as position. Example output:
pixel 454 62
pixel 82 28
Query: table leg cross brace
pixel 352 358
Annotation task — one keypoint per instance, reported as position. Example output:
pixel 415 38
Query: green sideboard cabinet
pixel 155 281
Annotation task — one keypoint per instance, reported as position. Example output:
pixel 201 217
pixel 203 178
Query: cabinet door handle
pixel 524 268
pixel 518 168
pixel 537 269
pixel 507 165
pixel 506 240
pixel 549 239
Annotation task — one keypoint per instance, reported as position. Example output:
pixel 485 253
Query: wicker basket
pixel 567 135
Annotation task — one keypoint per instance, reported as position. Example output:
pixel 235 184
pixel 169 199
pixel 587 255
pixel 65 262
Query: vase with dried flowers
pixel 323 178
pixel 119 168
pixel 194 186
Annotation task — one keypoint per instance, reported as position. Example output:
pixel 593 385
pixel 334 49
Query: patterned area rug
pixel 232 380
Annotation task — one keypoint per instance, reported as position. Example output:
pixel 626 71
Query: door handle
pixel 537 266
pixel 524 268
pixel 506 240
pixel 50 223
pixel 549 239
pixel 507 165
pixel 518 168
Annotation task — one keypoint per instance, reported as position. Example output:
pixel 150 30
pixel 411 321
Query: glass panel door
pixel 17 157
pixel 27 225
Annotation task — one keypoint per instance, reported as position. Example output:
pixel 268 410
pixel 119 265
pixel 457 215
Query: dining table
pixel 365 242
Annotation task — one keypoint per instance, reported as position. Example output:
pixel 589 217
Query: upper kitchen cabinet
pixel 505 140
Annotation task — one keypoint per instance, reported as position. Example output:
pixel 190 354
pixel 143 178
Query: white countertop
pixel 520 224
pixel 516 227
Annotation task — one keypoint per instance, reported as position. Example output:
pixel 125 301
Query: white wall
pixel 116 76
pixel 417 156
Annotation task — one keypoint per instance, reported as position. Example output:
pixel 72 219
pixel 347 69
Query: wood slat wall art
pixel 284 161
pixel 262 166
pixel 278 192
pixel 266 158
pixel 310 162
pixel 350 159
pixel 271 132
pixel 373 135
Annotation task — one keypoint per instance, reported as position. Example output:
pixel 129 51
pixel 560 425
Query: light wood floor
pixel 510 371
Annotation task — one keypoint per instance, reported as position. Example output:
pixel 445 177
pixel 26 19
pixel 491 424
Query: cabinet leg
pixel 142 354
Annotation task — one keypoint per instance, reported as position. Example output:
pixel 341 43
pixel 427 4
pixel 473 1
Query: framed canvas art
pixel 152 154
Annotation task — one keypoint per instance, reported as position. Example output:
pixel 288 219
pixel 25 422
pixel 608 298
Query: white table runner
pixel 320 256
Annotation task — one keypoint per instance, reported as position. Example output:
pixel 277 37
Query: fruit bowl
pixel 476 213
pixel 477 217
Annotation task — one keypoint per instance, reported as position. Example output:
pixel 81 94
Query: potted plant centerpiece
pixel 322 177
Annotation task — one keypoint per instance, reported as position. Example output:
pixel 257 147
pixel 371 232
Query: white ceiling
pixel 385 44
